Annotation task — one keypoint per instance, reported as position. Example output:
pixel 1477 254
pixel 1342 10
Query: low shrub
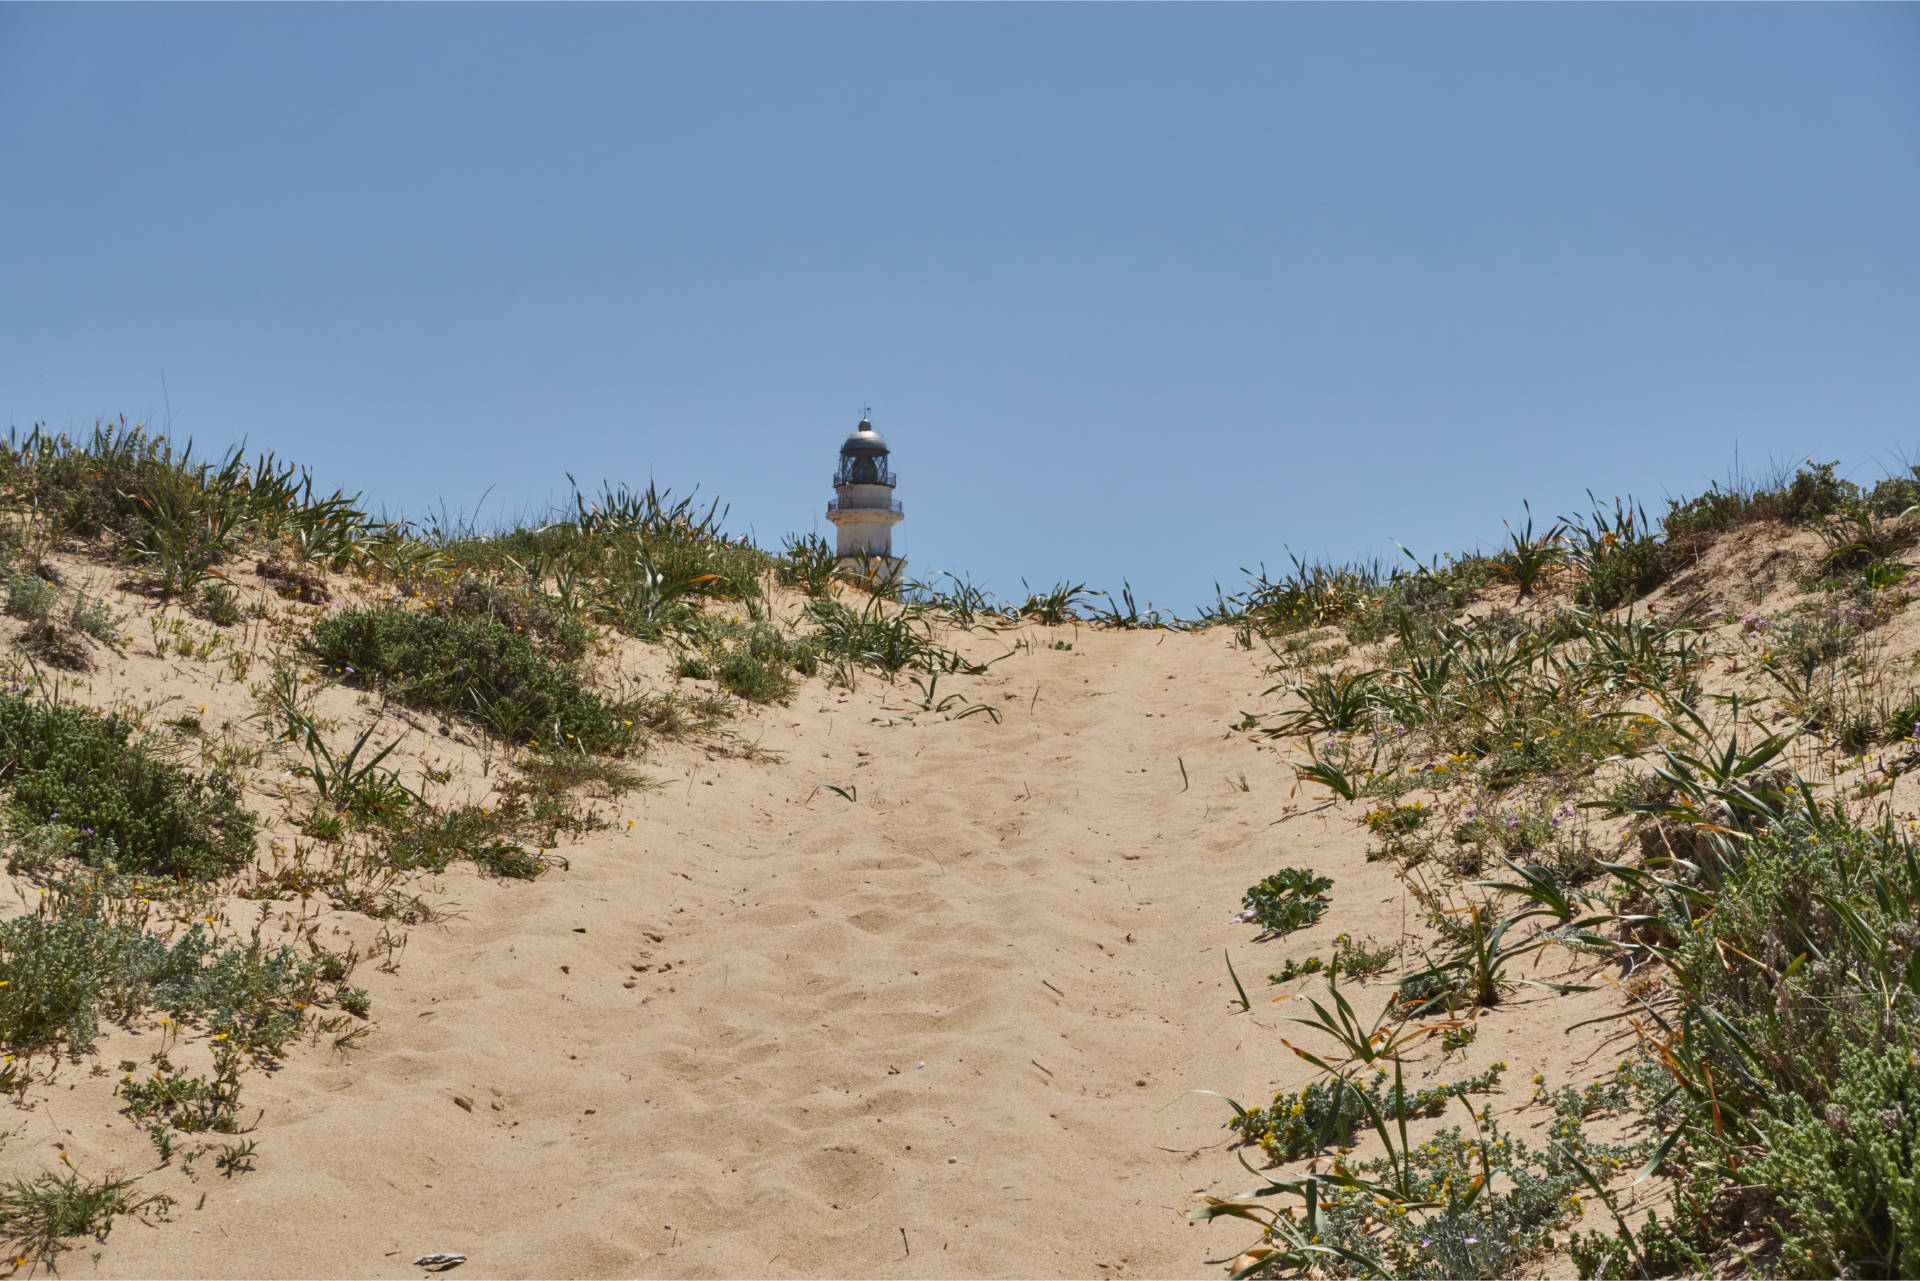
pixel 1496 1203
pixel 477 667
pixel 1624 573
pixel 30 597
pixel 95 618
pixel 1805 1069
pixel 1350 958
pixel 1617 553
pixel 1291 899
pixel 125 806
pixel 191 1104
pixel 1811 636
pixel 1847 1175
pixel 1330 1113
pixel 757 662
pixel 1814 491
pixel 1896 494
pixel 536 809
pixel 557 635
pixel 78 960
pixel 1398 820
pixel 487 837
pixel 219 605
pixel 1460 1204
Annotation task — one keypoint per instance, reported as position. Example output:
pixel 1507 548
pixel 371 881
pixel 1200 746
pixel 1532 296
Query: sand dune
pixel 945 1028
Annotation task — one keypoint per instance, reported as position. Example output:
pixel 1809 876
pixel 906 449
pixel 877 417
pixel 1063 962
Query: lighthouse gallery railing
pixel 882 476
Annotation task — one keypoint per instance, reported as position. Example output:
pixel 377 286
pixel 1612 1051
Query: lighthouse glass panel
pixel 864 469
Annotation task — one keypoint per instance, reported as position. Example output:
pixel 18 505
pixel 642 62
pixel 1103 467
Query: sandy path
pixel 717 1021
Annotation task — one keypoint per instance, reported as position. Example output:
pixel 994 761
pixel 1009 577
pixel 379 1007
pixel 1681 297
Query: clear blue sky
pixel 1142 292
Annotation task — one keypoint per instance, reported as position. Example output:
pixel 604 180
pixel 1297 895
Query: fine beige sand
pixel 944 1029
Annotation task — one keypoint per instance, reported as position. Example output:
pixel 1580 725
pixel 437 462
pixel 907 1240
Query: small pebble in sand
pixel 953 1160
pixel 922 1063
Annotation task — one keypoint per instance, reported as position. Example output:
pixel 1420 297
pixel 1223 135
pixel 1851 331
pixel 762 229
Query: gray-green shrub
pixel 475 666
pixel 73 766
pixel 76 962
pixel 30 597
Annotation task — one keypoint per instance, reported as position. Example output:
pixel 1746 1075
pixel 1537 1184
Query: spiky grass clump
pixel 808 562
pixel 639 561
pixel 38 1215
pixel 883 636
pixel 174 517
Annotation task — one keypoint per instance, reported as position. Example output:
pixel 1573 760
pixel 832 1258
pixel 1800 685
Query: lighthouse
pixel 864 510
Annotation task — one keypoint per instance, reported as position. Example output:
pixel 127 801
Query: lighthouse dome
pixel 865 440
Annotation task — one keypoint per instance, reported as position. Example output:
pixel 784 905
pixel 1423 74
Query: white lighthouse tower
pixel 864 510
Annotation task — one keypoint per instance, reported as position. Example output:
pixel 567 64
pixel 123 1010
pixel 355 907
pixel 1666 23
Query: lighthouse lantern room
pixel 864 510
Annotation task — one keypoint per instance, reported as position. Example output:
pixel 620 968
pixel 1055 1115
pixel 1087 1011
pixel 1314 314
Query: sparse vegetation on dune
pixel 40 1216
pixel 1673 788
pixel 87 954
